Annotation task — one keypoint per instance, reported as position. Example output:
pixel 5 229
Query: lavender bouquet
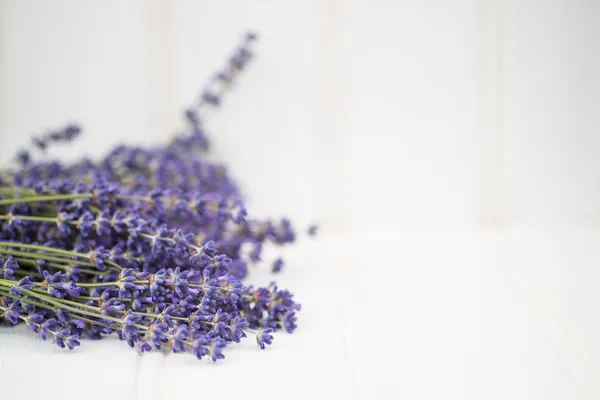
pixel 150 244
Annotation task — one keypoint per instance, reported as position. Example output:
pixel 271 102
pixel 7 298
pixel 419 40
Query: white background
pixel 451 147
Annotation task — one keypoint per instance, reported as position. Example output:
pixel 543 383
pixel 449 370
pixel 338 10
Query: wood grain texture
pixel 451 314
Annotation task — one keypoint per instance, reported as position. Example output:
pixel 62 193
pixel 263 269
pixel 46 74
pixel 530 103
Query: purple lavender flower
pixel 211 98
pixel 102 223
pixel 84 223
pixel 156 241
pixel 70 132
pixel 61 315
pixel 126 284
pixel 178 281
pixel 158 331
pixel 215 349
pixel 140 301
pixel 198 257
pixel 66 134
pixel 62 222
pixel 289 321
pixel 47 327
pixel 12 313
pixel 264 337
pixel 200 346
pixel 239 269
pixel 76 324
pixel 129 331
pixel 182 242
pixel 240 216
pixel 8 267
pixel 65 339
pixel 157 282
pixel 255 253
pixel 24 283
pixel 286 234
pixel 145 348
pixel 40 143
pixel 24 157
pixel 33 320
pixel 57 287
pixel 219 320
pixel 237 327
pixel 98 256
pixel 118 221
pixel 204 345
pixel 192 117
pixel 111 306
pixel 277 265
pixel 221 262
pixel 12 225
pixel 178 341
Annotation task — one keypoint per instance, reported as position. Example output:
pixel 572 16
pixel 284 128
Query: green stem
pixel 15 190
pixel 120 311
pixel 26 300
pixel 133 198
pixel 101 284
pixel 29 218
pixel 43 248
pixel 58 251
pixel 93 209
pixel 42 294
pixel 67 268
pixel 96 298
pixel 113 264
pixel 38 291
pixel 38 199
pixel 91 321
pixel 58 303
pixel 39 256
pixel 198 286
pixel 20 272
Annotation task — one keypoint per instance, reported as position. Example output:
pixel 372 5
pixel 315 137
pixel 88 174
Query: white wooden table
pixel 412 314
